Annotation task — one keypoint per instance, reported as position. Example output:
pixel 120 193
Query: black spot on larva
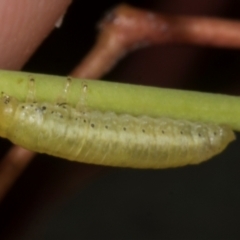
pixel 84 120
pixel 215 133
pixel 143 130
pixel 181 132
pixel 92 125
pixel 199 134
pixel 32 79
pixel 23 107
pixel 6 100
pixel 76 119
pixel 44 107
pixel 52 112
pixel 61 116
pixel 106 127
pixel 62 104
pixel 124 129
pixel 163 131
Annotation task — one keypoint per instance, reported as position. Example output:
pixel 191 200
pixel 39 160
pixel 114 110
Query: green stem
pixel 126 98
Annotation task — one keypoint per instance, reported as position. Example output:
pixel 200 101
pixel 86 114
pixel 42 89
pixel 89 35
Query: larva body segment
pixel 110 139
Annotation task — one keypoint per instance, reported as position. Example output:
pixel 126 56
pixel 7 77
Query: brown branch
pixel 11 167
pixel 126 28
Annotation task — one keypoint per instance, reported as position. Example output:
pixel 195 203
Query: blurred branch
pixel 12 166
pixel 125 29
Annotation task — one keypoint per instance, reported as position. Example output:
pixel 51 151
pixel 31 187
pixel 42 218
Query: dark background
pixel 50 201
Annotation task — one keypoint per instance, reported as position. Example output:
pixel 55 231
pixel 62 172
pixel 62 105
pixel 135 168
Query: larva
pixel 107 138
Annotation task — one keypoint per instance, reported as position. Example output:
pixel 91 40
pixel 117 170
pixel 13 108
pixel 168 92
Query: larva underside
pixel 107 138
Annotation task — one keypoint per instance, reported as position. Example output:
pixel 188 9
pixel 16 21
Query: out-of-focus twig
pixel 126 28
pixel 11 167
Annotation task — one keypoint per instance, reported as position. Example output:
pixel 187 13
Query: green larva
pixel 107 138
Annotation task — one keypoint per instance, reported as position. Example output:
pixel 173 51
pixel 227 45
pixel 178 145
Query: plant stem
pixel 126 98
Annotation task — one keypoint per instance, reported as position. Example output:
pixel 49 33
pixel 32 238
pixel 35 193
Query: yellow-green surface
pixel 125 98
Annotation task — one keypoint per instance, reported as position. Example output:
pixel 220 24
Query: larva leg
pixel 62 99
pixel 61 110
pixel 31 91
pixel 81 105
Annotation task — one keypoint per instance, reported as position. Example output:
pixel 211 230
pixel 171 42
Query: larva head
pixel 216 140
pixel 221 136
pixel 8 106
